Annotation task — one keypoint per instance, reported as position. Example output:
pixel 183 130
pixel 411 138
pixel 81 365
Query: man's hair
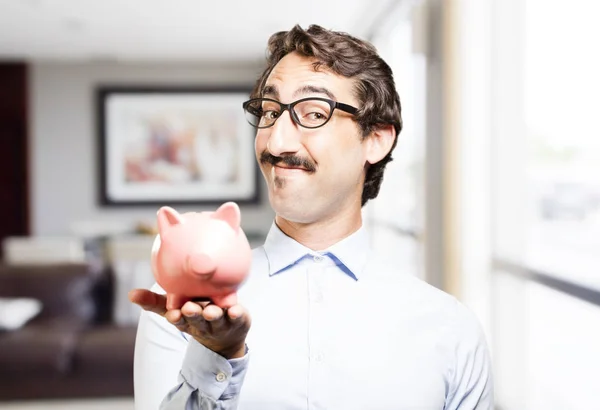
pixel 345 55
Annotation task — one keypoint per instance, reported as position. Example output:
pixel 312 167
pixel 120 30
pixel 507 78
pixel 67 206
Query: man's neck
pixel 321 234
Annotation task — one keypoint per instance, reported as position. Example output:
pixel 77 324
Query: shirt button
pixel 318 358
pixel 221 377
pixel 318 258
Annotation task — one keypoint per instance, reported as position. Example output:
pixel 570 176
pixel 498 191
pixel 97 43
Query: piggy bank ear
pixel 230 213
pixel 167 217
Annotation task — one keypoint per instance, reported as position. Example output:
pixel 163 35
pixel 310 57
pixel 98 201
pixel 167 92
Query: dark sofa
pixel 72 348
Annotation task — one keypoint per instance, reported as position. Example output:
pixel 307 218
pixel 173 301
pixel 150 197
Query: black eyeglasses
pixel 313 112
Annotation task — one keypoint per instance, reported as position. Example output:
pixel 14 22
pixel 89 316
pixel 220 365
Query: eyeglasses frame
pixel 290 107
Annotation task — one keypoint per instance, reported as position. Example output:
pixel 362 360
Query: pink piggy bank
pixel 201 255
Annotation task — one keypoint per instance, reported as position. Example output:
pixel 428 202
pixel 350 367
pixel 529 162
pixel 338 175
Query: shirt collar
pixel 350 254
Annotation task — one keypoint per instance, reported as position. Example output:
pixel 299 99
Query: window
pixel 561 112
pixel 546 214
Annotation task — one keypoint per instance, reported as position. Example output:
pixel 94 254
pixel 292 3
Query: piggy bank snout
pixel 202 264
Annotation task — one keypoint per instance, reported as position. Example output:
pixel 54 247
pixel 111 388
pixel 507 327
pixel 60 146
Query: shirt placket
pixel 317 360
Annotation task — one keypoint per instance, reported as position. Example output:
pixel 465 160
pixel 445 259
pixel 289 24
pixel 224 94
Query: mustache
pixel 289 160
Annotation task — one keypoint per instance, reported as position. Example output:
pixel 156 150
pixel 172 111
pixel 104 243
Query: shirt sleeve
pixel 471 380
pixel 206 381
pixel 172 372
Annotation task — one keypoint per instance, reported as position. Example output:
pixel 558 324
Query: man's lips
pixel 289 167
pixel 286 171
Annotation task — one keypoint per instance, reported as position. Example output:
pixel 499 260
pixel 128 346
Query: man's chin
pixel 290 209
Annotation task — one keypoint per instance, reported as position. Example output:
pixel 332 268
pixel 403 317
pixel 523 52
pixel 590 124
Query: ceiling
pixel 168 30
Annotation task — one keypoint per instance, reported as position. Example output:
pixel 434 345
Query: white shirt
pixel 337 329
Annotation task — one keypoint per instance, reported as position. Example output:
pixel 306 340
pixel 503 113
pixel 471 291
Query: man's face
pixel 324 170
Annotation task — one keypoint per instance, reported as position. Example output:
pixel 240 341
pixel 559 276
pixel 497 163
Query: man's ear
pixel 379 143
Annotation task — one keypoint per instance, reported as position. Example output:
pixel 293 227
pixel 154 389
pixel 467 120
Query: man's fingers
pixel 227 319
pixel 175 317
pixel 219 319
pixel 149 301
pixel 212 313
pixel 192 314
pixel 236 312
pixel 191 309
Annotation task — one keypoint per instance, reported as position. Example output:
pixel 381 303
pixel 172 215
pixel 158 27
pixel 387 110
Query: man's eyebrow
pixel 311 89
pixel 270 90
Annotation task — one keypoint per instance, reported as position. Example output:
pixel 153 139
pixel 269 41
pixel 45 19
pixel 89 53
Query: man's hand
pixel 222 331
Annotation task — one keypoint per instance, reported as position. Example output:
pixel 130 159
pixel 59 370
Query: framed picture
pixel 169 146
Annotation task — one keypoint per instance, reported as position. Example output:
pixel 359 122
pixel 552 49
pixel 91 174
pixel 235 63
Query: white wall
pixel 63 140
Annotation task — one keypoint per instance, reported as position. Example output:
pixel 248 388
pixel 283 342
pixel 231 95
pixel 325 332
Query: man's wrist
pixel 234 353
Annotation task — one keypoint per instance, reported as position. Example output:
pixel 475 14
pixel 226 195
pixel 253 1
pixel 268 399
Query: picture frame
pixel 175 146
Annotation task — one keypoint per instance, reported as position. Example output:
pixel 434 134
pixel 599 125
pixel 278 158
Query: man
pixel 333 327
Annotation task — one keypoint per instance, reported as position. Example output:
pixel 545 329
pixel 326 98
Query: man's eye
pixel 314 116
pixel 270 115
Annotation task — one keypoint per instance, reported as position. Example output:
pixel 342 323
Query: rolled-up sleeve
pixel 207 381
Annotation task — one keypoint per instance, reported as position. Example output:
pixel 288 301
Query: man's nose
pixel 284 137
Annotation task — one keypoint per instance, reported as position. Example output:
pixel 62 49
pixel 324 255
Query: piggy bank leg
pixel 176 301
pixel 225 301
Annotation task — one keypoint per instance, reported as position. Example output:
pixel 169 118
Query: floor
pixel 104 404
